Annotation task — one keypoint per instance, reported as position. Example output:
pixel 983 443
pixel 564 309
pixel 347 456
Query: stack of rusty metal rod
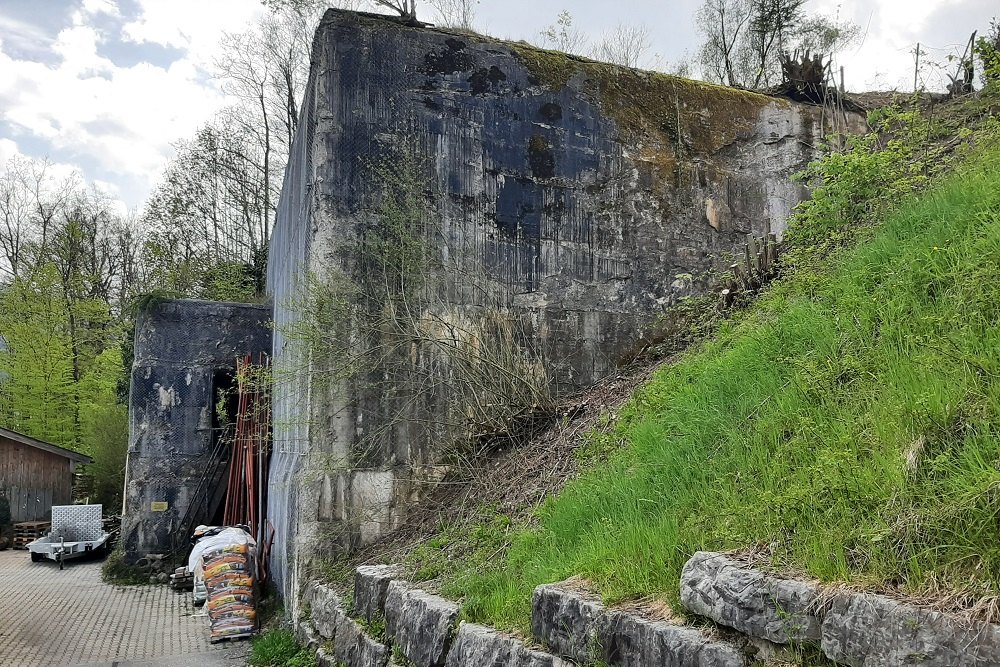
pixel 758 267
pixel 246 493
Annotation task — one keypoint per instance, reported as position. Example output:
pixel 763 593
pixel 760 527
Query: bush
pixel 116 571
pixel 988 50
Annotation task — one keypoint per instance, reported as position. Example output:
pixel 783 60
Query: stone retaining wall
pixel 390 622
pixel 851 628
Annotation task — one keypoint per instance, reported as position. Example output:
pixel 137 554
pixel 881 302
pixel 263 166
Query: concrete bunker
pixel 180 406
pixel 584 198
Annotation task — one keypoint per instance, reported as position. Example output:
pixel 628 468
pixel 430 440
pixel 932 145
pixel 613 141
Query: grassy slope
pixel 791 430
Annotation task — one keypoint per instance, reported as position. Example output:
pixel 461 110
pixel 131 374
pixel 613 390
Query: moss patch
pixel 678 114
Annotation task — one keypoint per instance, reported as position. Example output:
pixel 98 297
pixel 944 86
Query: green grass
pixel 278 648
pixel 791 429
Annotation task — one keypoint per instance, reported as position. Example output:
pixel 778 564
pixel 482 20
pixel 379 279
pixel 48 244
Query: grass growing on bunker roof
pixel 846 427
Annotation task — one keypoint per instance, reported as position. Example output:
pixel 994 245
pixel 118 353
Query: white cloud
pixel 21 36
pixel 119 121
pixel 8 149
pixel 95 7
pixel 192 25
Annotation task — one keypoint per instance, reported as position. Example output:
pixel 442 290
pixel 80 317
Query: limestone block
pixel 566 621
pixel 477 645
pixel 573 623
pixel 306 635
pixel 779 610
pixel 630 641
pixel 325 659
pixel 871 630
pixel 354 648
pixel 419 624
pixel 371 582
pixel 325 609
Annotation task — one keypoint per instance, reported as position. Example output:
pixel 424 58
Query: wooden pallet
pixel 231 638
pixel 26 532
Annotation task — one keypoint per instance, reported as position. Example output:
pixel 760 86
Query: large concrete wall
pixel 182 347
pixel 594 196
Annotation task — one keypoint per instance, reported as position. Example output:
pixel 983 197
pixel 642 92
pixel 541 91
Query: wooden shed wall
pixel 34 480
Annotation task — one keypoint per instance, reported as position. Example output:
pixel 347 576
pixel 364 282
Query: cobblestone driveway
pixel 70 617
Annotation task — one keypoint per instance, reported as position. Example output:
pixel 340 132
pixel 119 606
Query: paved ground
pixel 70 618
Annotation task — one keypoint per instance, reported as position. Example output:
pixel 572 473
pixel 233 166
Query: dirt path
pixel 71 618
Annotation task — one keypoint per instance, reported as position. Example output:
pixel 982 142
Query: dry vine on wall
pixel 404 327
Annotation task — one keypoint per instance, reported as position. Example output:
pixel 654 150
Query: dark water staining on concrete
pixel 448 60
pixel 550 112
pixel 540 157
pixel 486 80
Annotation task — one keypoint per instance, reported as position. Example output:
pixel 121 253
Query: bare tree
pixel 456 13
pixel 32 200
pixel 405 8
pixel 626 45
pixel 826 35
pixel 772 26
pixel 745 39
pixel 724 24
pixel 562 36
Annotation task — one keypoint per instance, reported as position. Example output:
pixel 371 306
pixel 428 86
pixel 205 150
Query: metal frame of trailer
pixel 76 530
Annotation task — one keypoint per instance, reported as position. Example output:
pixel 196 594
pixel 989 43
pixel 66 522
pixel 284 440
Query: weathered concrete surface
pixel 874 631
pixel 584 198
pixel 477 646
pixel 419 624
pixel 572 623
pixel 183 348
pixel 782 611
pixel 371 583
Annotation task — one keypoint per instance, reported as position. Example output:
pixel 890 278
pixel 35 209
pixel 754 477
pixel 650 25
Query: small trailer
pixel 77 530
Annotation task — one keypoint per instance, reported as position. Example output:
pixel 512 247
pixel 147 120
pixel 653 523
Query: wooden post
pixel 741 278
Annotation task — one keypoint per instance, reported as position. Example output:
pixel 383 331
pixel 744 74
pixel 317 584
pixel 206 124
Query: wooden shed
pixel 35 475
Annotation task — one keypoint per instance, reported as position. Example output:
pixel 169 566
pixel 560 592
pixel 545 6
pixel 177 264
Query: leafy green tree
pixel 38 393
pixel 107 442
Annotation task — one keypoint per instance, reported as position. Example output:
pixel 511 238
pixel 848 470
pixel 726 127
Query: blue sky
pixel 106 86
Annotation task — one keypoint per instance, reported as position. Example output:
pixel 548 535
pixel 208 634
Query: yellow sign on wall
pixel 158 506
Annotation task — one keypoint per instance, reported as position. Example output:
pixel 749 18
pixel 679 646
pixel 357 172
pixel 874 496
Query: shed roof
pixel 45 446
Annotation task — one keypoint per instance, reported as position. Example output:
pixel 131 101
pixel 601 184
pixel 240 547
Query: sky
pixel 105 87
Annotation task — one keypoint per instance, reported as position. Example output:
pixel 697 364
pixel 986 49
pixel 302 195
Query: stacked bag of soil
pixel 226 566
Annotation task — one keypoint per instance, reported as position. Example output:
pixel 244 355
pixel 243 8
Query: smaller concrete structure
pixel 185 362
pixel 35 475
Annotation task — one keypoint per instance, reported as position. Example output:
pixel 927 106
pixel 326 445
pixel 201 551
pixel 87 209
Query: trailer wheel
pixel 60 557
pixel 36 558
